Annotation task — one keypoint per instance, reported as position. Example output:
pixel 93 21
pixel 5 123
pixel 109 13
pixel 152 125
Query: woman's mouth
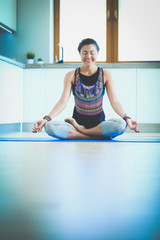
pixel 88 61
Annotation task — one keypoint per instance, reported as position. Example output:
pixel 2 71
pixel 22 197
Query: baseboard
pixel 27 127
pixel 147 128
pixel 10 127
pixel 143 127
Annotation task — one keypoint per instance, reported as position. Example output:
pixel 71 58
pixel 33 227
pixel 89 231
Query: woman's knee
pixel 57 129
pixel 50 128
pixel 120 125
pixel 113 127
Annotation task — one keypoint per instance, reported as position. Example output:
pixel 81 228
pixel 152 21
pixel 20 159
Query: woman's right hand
pixel 38 125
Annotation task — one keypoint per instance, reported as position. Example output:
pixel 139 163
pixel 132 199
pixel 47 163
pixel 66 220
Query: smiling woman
pixel 88 84
pixel 88 50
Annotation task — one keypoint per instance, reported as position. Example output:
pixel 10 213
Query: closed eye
pixel 85 52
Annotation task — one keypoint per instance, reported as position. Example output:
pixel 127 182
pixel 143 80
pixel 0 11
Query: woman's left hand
pixel 133 125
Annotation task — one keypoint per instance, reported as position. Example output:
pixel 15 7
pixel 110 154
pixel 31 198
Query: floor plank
pixel 79 191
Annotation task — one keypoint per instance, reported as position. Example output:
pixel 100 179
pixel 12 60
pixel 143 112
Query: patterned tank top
pixel 89 100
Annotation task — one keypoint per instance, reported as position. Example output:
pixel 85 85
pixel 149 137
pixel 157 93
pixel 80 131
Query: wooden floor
pixel 79 191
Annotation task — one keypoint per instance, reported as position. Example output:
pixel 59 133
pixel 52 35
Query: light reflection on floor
pixel 79 191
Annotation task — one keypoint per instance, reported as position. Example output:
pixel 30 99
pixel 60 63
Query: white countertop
pixel 75 65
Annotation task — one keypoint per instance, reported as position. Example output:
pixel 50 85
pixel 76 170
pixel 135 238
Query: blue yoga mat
pixel 48 139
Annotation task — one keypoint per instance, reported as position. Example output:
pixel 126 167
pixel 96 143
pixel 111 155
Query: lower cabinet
pixel 137 89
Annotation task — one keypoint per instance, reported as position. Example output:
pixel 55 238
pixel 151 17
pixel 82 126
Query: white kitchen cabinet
pixel 148 95
pixel 125 87
pixel 33 94
pixel 11 93
pixel 137 89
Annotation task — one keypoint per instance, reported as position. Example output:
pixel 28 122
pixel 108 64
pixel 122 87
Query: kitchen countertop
pixel 12 61
pixel 75 65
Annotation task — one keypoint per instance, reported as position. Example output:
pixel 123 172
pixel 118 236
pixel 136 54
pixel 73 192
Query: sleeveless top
pixel 88 92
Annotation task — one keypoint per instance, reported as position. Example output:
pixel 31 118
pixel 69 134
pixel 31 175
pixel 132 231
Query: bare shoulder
pixel 69 77
pixel 107 75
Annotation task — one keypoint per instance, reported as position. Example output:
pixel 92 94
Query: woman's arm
pixel 60 105
pixel 116 105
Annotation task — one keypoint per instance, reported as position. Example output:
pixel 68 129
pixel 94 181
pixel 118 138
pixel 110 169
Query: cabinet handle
pixel 108 15
pixel 115 15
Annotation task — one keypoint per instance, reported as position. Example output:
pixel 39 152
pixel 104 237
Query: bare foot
pixel 83 130
pixel 73 122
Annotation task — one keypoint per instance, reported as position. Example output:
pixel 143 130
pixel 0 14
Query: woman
pixel 88 84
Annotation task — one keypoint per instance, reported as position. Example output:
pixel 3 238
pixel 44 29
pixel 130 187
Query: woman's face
pixel 89 54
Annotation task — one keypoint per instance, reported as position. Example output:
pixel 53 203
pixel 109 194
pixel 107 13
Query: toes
pixel 68 119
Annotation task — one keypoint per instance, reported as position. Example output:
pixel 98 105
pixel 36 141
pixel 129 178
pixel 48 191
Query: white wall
pixel 11 93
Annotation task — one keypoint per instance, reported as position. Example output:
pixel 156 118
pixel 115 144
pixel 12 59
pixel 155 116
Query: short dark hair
pixel 87 41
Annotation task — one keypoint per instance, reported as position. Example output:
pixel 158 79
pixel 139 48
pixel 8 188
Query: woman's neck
pixel 88 70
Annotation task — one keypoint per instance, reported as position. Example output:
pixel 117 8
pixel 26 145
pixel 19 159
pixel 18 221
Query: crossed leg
pixel 95 132
pixel 70 129
pixel 75 135
pixel 105 130
pixel 65 130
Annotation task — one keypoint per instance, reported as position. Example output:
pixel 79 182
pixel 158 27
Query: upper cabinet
pixel 8 14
